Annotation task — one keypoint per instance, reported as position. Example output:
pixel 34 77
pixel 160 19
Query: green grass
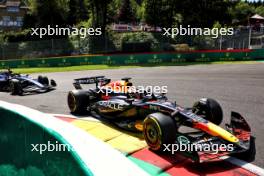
pixel 67 69
pixel 103 67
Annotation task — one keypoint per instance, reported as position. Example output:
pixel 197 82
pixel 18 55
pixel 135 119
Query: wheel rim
pixel 152 134
pixel 72 102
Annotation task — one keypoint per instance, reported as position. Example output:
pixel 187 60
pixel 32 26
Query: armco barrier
pixel 137 59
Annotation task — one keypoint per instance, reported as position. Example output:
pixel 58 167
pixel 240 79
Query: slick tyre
pixel 159 129
pixel 43 80
pixel 78 101
pixel 15 88
pixel 210 109
pixel 53 83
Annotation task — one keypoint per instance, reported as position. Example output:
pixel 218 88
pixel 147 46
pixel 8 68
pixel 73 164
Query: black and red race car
pixel 160 120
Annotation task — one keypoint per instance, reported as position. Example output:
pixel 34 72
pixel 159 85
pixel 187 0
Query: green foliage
pixel 140 37
pixel 197 13
pixel 204 13
pixel 34 49
pixel 203 42
pixel 160 12
pixel 217 25
pixel 13 36
pixel 49 12
pixel 126 14
pixel 242 11
pixel 260 10
pixel 102 13
pixel 137 37
pixel 137 9
pixel 78 11
pixel 164 13
pixel 2 40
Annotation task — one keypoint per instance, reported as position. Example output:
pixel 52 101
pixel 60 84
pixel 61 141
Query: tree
pixel 204 13
pixel 242 11
pixel 126 14
pixel 150 15
pixel 99 11
pixel 197 13
pixel 78 11
pixel 260 10
pixel 49 12
pixel 160 12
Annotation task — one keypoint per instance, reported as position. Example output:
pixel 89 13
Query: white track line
pixel 74 117
pixel 243 164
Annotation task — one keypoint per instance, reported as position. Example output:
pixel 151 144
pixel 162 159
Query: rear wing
pixel 90 80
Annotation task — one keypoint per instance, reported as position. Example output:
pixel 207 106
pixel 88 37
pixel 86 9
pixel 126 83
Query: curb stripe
pixel 237 162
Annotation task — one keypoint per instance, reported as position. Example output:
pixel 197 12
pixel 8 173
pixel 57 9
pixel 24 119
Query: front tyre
pixel 46 80
pixel 159 129
pixel 210 109
pixel 43 80
pixel 53 83
pixel 78 101
pixel 15 88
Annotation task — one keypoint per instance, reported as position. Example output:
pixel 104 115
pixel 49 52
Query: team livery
pixel 18 84
pixel 159 120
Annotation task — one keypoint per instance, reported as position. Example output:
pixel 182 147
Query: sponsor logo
pixel 183 140
pixel 111 105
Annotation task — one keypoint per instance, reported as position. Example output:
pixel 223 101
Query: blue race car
pixel 18 84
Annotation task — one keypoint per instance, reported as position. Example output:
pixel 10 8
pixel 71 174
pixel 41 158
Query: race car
pixel 160 120
pixel 18 84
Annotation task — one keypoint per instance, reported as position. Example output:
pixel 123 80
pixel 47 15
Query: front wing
pixel 238 127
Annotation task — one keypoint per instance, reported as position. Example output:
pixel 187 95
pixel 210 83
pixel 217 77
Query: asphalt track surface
pixel 237 87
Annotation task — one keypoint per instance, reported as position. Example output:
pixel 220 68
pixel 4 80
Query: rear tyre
pixel 210 109
pixel 40 79
pixel 16 88
pixel 78 101
pixel 43 80
pixel 159 129
pixel 46 80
